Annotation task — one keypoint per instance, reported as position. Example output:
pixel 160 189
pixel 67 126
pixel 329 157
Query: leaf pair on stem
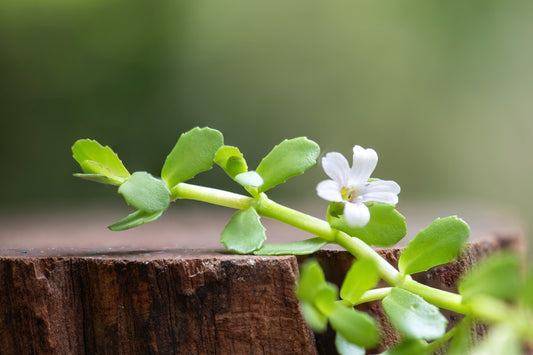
pixel 196 151
pixel 150 196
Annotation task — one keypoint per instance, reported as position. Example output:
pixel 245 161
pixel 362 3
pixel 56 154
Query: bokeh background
pixel 441 89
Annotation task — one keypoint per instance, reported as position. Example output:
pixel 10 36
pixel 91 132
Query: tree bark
pixel 183 302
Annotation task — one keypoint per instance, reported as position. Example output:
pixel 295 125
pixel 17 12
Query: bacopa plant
pixel 361 214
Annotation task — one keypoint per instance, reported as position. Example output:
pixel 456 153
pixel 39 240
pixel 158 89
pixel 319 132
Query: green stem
pixel 439 298
pixel 434 346
pixel 374 295
pixel 268 208
pixel 361 250
pixel 209 195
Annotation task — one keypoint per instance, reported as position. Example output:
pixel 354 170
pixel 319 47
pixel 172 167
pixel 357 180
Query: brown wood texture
pixel 186 302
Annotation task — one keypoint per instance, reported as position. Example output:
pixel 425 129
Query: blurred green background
pixel 440 89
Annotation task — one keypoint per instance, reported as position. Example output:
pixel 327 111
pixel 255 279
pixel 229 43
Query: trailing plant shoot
pixel 361 214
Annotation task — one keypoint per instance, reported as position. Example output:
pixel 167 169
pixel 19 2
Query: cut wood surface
pixel 67 292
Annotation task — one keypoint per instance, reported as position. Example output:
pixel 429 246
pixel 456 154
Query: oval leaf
pixel 361 277
pixel 145 193
pixel 135 219
pixel 437 244
pixel 302 247
pixel 325 298
pixel 103 179
pixel 100 170
pixel 344 347
pixel 311 278
pixel 193 153
pixel 289 158
pixel 316 320
pixel 99 160
pixel 385 228
pixel 244 233
pixel 409 347
pixel 497 276
pixel 249 179
pixel 231 160
pixel 412 316
pixel 354 326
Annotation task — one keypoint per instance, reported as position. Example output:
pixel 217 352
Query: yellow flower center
pixel 349 194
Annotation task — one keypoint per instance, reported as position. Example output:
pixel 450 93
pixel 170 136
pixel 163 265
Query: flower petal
pixel 383 197
pixel 336 167
pixel 329 190
pixel 382 186
pixel 384 191
pixel 364 163
pixel 356 214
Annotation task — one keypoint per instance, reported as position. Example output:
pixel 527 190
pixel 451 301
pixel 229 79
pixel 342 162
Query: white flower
pixel 351 186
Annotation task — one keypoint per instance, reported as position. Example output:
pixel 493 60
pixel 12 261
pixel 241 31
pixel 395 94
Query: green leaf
pixel 313 288
pixel 344 347
pixel 527 290
pixel 231 160
pixel 98 161
pixel 244 233
pixel 361 277
pixel 325 297
pixel 317 296
pixel 497 276
pixel 354 326
pixel 145 193
pixel 135 219
pixel 98 169
pixel 193 153
pixel 103 179
pixel 412 316
pixel 385 228
pixel 461 342
pixel 437 244
pixel 311 277
pixel 409 347
pixel 289 158
pixel 249 179
pixel 302 247
pixel 316 320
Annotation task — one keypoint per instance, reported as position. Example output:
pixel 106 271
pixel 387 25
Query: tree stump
pixel 186 302
pixel 131 300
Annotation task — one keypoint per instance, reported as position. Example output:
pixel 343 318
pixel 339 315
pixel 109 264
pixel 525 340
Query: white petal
pixel 336 167
pixel 382 191
pixel 329 190
pixel 383 186
pixel 383 197
pixel 356 214
pixel 364 163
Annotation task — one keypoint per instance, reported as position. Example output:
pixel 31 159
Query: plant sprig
pixel 361 214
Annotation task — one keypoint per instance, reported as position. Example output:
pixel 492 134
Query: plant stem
pixel 374 295
pixel 439 298
pixel 434 346
pixel 210 195
pixel 268 208
pixel 361 250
